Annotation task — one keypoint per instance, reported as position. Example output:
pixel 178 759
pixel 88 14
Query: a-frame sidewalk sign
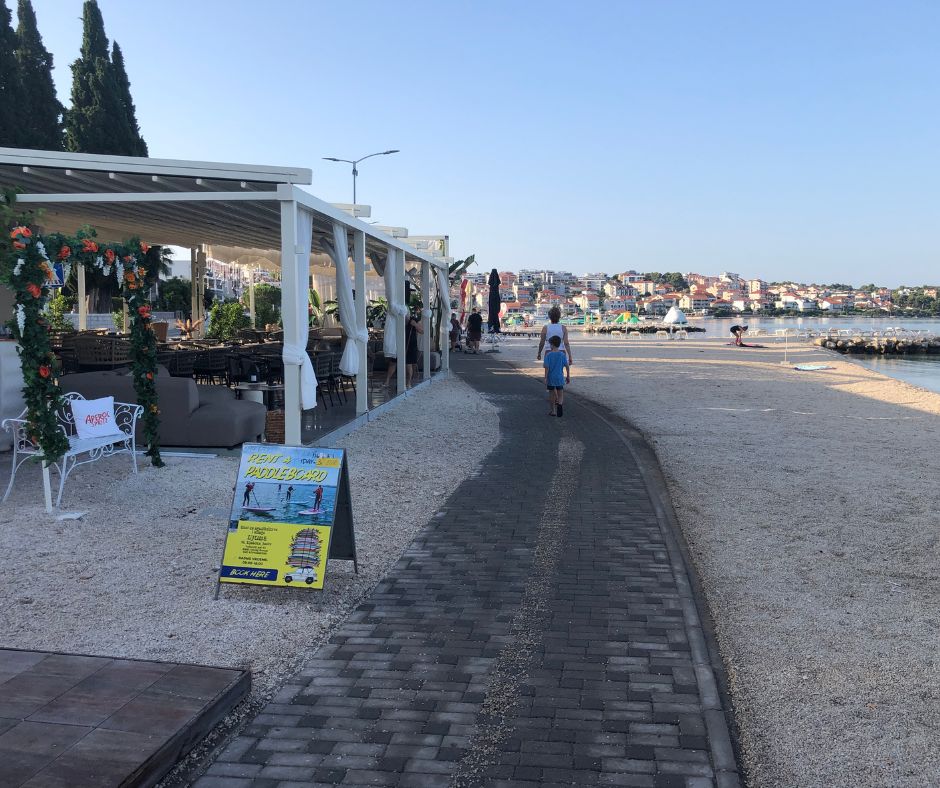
pixel 292 510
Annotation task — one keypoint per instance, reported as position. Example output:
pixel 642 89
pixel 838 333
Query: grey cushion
pixel 207 416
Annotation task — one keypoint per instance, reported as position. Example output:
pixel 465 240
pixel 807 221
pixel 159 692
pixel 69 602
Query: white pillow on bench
pixel 94 418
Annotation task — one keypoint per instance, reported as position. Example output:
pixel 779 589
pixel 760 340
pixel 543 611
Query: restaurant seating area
pixel 217 393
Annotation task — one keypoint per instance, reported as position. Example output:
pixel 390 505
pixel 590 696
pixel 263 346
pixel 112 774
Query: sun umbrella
pixel 675 316
pixel 494 302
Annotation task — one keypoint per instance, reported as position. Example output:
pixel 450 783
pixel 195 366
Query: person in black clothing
pixel 474 330
pixel 413 327
pixel 738 333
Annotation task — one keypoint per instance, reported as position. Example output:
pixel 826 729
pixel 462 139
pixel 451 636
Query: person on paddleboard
pixel 246 500
pixel 318 496
pixel 290 492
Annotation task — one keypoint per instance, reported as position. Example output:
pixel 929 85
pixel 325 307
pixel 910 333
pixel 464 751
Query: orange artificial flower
pixel 145 248
pixel 33 290
pixel 50 274
pixel 128 258
pixel 109 255
pixel 149 376
pixel 129 276
pixel 141 272
pixel 88 245
pixel 64 253
pixel 44 371
pixel 17 234
pixel 144 311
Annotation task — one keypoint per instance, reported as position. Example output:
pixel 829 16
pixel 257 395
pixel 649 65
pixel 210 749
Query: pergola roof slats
pixel 183 203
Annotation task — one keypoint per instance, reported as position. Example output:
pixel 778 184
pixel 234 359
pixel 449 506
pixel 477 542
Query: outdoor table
pixel 258 392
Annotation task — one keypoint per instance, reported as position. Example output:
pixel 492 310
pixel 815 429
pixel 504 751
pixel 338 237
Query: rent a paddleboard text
pixel 274 466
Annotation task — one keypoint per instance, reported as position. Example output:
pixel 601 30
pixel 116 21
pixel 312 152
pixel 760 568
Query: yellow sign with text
pixel 276 554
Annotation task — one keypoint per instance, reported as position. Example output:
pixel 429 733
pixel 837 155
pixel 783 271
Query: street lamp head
pixel 385 153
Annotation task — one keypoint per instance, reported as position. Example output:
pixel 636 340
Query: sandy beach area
pixel 810 506
pixel 135 576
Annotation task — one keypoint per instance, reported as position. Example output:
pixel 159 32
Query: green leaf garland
pixel 27 266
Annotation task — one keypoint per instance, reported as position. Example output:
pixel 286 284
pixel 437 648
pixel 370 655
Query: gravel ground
pixel 810 505
pixel 136 576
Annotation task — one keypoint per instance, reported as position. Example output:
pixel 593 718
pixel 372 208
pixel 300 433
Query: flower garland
pixel 30 274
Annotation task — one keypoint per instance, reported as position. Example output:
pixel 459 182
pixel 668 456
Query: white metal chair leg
pixel 13 470
pixel 63 473
pixel 134 453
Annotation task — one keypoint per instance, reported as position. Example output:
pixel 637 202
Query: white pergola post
pixel 194 278
pixel 82 306
pixel 426 318
pixel 400 366
pixel 445 310
pixel 445 325
pixel 362 374
pixel 251 298
pixel 201 268
pixel 294 314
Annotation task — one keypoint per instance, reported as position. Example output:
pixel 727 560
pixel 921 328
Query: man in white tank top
pixel 554 329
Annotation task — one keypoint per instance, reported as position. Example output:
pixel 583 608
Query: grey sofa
pixel 190 415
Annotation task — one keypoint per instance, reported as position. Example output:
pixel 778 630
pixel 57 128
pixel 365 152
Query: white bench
pixel 125 441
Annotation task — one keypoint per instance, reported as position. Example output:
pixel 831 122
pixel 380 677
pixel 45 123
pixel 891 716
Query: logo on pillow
pixel 97 419
pixel 94 418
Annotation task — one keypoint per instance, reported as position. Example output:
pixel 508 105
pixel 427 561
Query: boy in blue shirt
pixel 557 373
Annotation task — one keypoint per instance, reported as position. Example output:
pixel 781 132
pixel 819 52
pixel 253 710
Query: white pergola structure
pixel 192 203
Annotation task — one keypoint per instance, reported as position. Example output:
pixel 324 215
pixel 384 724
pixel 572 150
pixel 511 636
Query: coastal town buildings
pixel 530 293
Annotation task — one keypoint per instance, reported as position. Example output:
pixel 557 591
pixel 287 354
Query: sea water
pixel 923 371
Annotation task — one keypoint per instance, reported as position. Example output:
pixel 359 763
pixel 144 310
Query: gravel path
pixel 135 577
pixel 810 504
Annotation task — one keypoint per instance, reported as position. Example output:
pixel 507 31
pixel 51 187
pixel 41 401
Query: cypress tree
pixel 11 91
pixel 42 112
pixel 123 84
pixel 96 123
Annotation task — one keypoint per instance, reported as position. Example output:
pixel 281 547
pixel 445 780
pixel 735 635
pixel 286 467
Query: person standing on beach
pixel 554 329
pixel 738 333
pixel 557 373
pixel 474 330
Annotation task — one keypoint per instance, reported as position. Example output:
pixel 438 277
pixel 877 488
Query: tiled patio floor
pixel 69 720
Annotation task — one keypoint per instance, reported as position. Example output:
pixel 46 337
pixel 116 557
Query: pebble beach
pixel 136 574
pixel 809 503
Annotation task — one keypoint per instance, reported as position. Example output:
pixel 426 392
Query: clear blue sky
pixel 785 139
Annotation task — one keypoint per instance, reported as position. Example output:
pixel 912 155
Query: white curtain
pixel 339 251
pixel 295 347
pixel 395 293
pixel 443 289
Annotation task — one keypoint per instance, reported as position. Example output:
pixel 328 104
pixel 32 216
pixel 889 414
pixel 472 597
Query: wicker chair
pixel 322 367
pixel 340 381
pixel 101 352
pixel 211 366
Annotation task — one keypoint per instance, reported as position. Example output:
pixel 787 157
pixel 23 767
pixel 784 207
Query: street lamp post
pixel 355 172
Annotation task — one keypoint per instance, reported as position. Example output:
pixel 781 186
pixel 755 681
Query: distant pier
pixel 888 343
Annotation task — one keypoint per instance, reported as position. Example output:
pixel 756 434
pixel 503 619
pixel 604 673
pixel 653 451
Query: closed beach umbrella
pixel 494 304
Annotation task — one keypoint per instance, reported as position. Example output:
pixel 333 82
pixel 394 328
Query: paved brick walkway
pixel 540 630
